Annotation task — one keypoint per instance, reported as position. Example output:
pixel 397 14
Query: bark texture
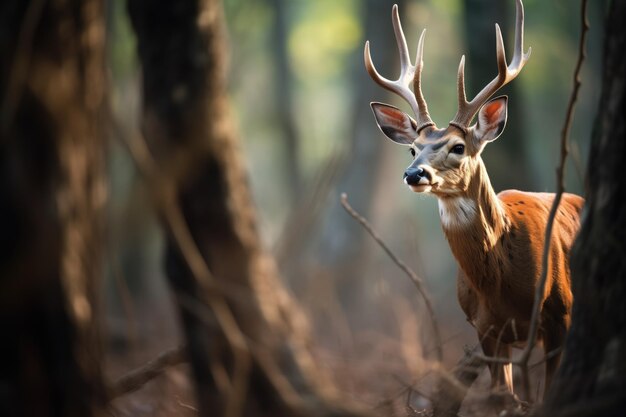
pixel 592 378
pixel 51 199
pixel 187 124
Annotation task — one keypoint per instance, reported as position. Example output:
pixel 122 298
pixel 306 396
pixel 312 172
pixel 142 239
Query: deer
pixel 496 239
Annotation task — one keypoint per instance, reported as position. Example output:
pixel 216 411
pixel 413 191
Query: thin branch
pixel 186 406
pixel 225 316
pixel 500 333
pixel 534 321
pixel 409 387
pixel 163 192
pixel 162 189
pixel 451 391
pixel 547 356
pixel 522 361
pixel 419 284
pixel 495 359
pixel 137 378
pixel 126 299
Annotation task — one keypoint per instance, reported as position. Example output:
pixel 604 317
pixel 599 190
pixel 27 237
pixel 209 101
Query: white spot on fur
pixel 457 212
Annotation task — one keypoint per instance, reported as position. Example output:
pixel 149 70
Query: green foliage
pixel 323 42
pixel 122 45
pixel 248 22
pixel 450 7
pixel 320 40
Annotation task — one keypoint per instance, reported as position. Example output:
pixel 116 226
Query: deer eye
pixel 412 152
pixel 458 149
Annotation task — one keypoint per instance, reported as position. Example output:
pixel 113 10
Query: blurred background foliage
pixel 300 96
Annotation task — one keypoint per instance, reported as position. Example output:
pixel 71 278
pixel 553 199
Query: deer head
pixel 445 159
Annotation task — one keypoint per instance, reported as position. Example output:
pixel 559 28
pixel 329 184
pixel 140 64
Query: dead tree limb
pixel 522 362
pixel 449 396
pixel 235 312
pixel 137 378
pixel 415 279
pixel 592 375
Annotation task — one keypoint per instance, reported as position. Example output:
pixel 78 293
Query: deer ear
pixel 394 123
pixel 491 119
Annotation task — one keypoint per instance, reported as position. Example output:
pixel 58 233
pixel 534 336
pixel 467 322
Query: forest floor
pixel 376 371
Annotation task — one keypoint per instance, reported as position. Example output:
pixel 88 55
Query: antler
pixel 408 73
pixel 467 110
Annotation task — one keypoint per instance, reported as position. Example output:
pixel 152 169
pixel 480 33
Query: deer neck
pixel 474 223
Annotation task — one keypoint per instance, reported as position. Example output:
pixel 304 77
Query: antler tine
pixel 408 73
pixel 500 56
pixel 423 116
pixel 467 110
pixel 461 82
pixel 393 86
pixel 519 36
pixel 403 49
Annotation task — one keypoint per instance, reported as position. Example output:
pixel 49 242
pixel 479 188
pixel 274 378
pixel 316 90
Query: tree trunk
pixel 284 101
pixel 187 123
pixel 51 200
pixel 592 378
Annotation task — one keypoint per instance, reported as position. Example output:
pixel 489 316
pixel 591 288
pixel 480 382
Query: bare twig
pixel 534 320
pixel 163 192
pixel 127 301
pixel 523 360
pixel 306 211
pixel 228 324
pixel 419 284
pixel 452 390
pixel 500 333
pixel 547 356
pixel 186 406
pixel 137 378
pixel 162 189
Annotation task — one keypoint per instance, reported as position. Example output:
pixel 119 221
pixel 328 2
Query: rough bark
pixel 189 129
pixel 51 198
pixel 592 376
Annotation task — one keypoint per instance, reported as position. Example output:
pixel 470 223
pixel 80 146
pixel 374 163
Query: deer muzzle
pixel 416 176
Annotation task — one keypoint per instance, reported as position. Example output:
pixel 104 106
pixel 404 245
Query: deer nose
pixel 412 176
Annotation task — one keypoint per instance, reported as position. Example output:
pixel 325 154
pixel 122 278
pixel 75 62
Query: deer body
pixel 497 240
pixel 498 243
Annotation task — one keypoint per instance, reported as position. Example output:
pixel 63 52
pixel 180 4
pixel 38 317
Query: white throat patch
pixel 457 212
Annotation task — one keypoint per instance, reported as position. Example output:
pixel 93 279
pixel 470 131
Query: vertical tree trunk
pixel 187 123
pixel 51 198
pixel 282 82
pixel 592 377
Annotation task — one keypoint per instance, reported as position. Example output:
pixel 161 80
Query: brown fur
pixel 500 257
pixel 497 240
